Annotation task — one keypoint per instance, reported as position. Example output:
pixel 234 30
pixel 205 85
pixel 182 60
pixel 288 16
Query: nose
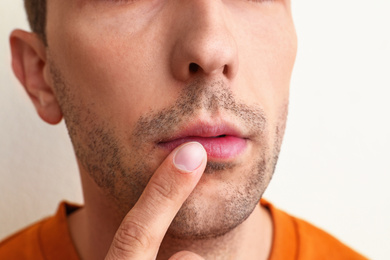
pixel 203 44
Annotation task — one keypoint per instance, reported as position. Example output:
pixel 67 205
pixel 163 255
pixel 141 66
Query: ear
pixel 29 66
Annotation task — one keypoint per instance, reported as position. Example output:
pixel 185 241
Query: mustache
pixel 199 95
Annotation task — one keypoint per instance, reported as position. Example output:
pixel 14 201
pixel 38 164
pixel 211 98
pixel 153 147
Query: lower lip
pixel 226 147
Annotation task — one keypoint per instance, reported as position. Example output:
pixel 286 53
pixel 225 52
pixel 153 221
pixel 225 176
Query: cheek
pixel 105 69
pixel 267 59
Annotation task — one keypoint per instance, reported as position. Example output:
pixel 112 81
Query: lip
pixel 221 141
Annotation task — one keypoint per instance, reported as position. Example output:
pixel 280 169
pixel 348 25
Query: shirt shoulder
pixel 315 243
pixel 23 245
pixel 295 238
pixel 48 239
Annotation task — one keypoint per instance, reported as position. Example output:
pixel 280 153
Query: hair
pixel 36 14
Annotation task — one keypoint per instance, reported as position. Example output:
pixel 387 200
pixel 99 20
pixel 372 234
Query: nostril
pixel 193 67
pixel 225 70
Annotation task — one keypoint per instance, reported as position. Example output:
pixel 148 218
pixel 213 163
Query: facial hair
pixel 211 210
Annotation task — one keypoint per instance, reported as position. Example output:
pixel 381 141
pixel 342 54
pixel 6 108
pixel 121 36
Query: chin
pixel 219 205
pixel 200 222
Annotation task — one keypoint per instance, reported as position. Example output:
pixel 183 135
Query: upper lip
pixel 199 128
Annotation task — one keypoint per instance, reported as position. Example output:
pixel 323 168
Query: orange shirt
pixel 293 238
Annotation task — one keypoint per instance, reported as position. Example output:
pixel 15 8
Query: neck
pixel 93 228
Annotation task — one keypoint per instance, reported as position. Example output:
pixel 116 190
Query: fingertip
pixel 189 157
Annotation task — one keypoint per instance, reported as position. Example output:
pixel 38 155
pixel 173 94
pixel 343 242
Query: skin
pixel 126 75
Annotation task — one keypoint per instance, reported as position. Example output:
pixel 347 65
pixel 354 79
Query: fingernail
pixel 189 157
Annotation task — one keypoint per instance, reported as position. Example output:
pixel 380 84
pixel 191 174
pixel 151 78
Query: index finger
pixel 142 230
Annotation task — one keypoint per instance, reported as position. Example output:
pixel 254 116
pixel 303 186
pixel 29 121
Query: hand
pixel 140 234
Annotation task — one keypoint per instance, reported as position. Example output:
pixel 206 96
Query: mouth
pixel 221 141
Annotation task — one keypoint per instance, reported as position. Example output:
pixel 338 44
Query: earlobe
pixel 29 63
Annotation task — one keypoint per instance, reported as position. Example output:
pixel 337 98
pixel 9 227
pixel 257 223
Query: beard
pixel 121 164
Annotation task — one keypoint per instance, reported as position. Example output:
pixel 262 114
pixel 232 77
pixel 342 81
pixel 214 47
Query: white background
pixel 334 165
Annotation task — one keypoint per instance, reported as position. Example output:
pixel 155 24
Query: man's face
pixel 135 79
